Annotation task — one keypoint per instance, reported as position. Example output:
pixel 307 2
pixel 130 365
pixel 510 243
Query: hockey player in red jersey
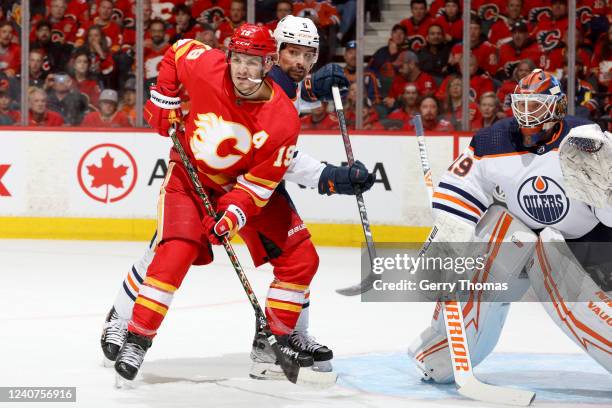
pixel 554 171
pixel 267 237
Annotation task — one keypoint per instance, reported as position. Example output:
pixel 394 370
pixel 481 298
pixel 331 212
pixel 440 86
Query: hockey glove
pixel 344 179
pixel 226 224
pixel 162 111
pixel 325 78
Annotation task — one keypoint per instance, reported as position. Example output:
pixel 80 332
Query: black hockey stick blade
pixel 290 367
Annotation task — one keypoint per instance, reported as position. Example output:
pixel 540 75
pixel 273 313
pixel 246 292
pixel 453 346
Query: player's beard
pixel 297 74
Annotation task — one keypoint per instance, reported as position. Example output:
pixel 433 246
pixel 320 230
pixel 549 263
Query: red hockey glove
pixel 162 111
pixel 227 224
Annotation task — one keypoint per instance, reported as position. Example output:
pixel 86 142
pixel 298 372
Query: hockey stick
pixel 467 384
pixel 367 282
pixel 290 368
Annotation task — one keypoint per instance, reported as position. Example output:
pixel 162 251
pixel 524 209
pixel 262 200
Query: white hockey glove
pixel 586 163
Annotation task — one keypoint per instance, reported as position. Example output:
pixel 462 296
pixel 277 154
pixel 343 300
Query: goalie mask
pixel 538 103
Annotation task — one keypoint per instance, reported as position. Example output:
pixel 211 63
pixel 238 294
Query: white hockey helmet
pixel 298 31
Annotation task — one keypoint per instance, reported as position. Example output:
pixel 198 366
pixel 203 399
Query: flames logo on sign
pixel 549 39
pixel 543 200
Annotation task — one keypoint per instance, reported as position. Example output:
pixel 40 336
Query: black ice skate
pixel 265 366
pixel 113 336
pixel 322 355
pixel 131 355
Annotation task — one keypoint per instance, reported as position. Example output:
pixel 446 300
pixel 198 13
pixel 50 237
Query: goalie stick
pixel 467 384
pixel 290 368
pixel 368 281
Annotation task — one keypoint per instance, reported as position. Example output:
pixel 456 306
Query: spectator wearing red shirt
pixel 63 28
pixel 410 73
pixel 101 62
pixel 451 21
pixel 39 114
pixel 78 10
pixel 235 19
pixel 452 104
pixel 401 117
pixel 83 80
pixel 10 53
pixel 500 33
pixel 417 25
pixel 108 115
pixel 488 10
pixel 283 9
pixel 321 12
pixel 155 49
pixel 521 47
pixel 479 82
pixel 601 61
pixel 490 111
pixel 536 10
pixel 549 31
pixel 521 70
pixel 185 26
pixel 211 12
pixel 319 119
pixel 111 30
pixel 485 52
pixel 370 116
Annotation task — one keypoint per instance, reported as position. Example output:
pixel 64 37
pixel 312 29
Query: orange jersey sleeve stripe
pixel 159 285
pixel 151 305
pixel 457 201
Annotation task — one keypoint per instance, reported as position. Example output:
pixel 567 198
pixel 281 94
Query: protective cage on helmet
pixel 538 99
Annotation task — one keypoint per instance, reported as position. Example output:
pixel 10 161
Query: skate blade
pixel 322 366
pixel 107 363
pixel 123 383
pixel 318 379
pixel 266 371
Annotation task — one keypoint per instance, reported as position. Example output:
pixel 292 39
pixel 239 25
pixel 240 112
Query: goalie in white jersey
pixel 556 173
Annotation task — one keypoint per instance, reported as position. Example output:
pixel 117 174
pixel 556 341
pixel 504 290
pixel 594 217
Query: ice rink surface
pixel 55 294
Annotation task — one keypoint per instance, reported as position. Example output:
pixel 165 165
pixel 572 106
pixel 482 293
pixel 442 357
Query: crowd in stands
pixel 82 56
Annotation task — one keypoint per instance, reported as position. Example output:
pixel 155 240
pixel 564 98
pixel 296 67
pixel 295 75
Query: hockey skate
pixel 321 355
pixel 131 356
pixel 265 366
pixel 113 336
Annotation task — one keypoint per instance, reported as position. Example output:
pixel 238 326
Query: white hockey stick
pixel 467 384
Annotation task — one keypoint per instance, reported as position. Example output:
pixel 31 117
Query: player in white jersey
pixel 297 43
pixel 540 232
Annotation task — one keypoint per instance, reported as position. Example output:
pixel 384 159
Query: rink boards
pixel 104 184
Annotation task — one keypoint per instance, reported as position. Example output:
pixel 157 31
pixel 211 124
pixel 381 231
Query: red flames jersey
pixel 10 58
pixel 111 30
pixel 152 57
pixel 486 55
pixel 95 119
pixel 239 146
pixel 416 34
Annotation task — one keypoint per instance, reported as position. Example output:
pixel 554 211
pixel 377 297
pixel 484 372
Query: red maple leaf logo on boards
pixel 107 174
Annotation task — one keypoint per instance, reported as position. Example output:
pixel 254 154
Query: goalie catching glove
pixel 226 224
pixel 586 163
pixel 162 111
pixel 345 179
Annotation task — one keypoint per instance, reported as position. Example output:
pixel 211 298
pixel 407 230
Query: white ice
pixel 54 296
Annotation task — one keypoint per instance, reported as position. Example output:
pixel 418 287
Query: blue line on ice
pixel 570 378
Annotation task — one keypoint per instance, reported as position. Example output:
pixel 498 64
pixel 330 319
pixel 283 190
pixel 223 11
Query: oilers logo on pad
pixel 543 200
